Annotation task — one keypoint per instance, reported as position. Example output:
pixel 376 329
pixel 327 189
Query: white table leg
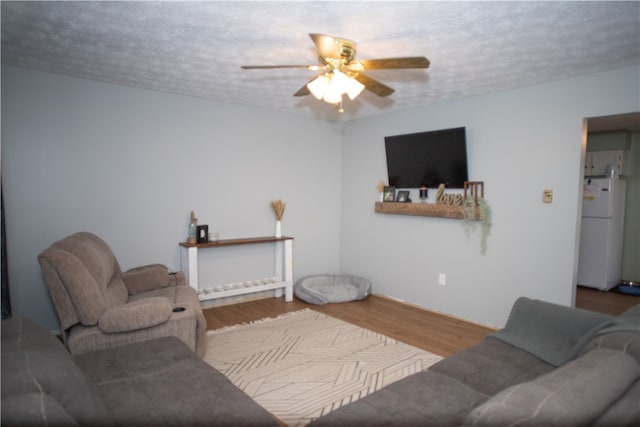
pixel 189 264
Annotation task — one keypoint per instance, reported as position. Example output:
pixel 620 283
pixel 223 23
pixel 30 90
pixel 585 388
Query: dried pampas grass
pixel 278 208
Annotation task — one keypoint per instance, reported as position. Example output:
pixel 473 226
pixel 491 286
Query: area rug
pixel 302 365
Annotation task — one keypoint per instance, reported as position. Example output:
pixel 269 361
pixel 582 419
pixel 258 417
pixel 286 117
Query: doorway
pixel 619 133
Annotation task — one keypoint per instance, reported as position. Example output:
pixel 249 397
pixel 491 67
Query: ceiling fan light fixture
pixel 354 88
pixel 330 87
pixel 318 86
pixel 342 74
pixel 333 94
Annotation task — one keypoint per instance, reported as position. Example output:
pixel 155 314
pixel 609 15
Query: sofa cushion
pixel 491 366
pixel 625 412
pixel 444 394
pixel 625 341
pixel 34 409
pixel 423 399
pixel 574 394
pixel 182 296
pixel 41 382
pixel 619 333
pixel 162 382
pixel 140 314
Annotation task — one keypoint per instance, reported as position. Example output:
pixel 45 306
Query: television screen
pixel 427 158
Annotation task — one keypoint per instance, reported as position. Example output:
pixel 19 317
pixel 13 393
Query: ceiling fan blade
pixel 272 67
pixel 407 62
pixel 373 85
pixel 303 91
pixel 327 46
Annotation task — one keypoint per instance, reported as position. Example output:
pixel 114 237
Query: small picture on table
pixel 389 194
pixel 403 197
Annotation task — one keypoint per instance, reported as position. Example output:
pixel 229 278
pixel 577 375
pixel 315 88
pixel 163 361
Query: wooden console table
pixel 283 278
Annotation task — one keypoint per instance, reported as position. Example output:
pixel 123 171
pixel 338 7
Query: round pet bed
pixel 327 288
pixel 628 290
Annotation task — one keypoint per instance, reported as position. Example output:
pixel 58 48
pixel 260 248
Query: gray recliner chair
pixel 101 307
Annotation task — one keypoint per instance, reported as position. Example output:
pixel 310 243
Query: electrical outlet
pixel 442 279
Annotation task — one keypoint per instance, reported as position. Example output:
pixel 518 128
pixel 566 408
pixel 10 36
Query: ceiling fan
pixel 342 73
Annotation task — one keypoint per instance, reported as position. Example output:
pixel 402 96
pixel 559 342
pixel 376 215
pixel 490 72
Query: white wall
pixel 519 143
pixel 131 164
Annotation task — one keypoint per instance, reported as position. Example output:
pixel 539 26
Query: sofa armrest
pixel 147 278
pixel 552 332
pixel 137 315
pixel 178 279
pixel 575 394
pixel 41 383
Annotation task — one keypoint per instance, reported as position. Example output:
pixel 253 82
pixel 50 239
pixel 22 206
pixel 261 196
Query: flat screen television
pixel 427 158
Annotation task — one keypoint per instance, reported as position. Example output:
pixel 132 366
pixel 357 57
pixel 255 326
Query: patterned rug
pixel 302 365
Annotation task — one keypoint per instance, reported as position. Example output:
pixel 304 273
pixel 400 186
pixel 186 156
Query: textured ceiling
pixel 197 48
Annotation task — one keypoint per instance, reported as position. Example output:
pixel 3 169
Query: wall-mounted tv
pixel 427 158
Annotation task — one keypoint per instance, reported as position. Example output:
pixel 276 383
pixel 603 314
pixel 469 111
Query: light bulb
pixel 318 86
pixel 339 81
pixel 354 88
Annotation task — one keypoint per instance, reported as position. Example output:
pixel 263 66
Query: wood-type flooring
pixel 438 333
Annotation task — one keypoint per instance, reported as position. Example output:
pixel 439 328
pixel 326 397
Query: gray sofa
pixel 157 382
pixel 550 366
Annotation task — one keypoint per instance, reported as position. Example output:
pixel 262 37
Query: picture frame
pixel 389 194
pixel 202 234
pixel 403 197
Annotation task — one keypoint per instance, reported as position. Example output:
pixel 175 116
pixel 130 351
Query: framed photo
pixel 389 194
pixel 202 234
pixel 402 197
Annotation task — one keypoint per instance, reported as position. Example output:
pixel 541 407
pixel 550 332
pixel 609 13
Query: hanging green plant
pixel 471 214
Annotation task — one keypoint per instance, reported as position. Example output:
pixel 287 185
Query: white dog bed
pixel 327 288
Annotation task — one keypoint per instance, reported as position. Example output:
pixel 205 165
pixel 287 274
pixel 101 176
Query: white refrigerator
pixel 602 233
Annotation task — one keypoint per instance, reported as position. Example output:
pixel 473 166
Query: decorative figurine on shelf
pixel 424 194
pixel 278 209
pixel 448 199
pixel 193 226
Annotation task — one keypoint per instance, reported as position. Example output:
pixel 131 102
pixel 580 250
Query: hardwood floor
pixel 604 302
pixel 437 333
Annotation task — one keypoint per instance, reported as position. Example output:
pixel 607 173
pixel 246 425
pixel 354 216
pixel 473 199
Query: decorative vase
pixel 278 228
pixel 193 225
pixel 192 236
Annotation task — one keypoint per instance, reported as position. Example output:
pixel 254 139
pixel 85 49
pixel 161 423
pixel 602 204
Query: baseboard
pixel 441 313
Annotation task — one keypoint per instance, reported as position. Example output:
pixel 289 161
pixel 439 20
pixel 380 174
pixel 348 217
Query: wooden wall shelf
pixel 421 209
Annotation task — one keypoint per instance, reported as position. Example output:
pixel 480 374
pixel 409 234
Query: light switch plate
pixel 547 196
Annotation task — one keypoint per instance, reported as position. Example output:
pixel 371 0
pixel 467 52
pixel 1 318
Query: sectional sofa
pixel 550 366
pixel 159 382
